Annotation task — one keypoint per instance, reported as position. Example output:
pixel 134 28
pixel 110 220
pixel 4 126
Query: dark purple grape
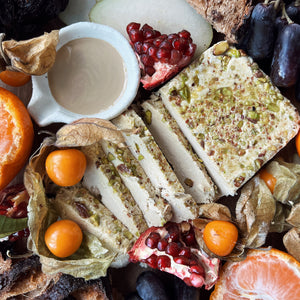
pixel 280 23
pixel 262 32
pixel 285 65
pixel 149 286
pixel 293 11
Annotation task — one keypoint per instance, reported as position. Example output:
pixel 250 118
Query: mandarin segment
pixel 264 274
pixel 16 135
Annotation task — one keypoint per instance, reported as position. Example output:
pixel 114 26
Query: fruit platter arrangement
pixel 191 190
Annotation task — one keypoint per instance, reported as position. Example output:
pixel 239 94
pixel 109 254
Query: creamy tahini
pixel 88 76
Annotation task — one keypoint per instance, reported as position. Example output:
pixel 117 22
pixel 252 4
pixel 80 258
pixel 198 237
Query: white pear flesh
pixel 167 16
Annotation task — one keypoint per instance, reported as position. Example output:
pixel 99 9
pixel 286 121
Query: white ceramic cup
pixel 45 110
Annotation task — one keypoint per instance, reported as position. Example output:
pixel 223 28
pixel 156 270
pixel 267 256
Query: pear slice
pixel 167 16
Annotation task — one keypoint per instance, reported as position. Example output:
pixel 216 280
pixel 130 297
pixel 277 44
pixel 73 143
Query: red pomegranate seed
pixel 190 239
pixel 187 281
pixel 198 270
pixel 196 280
pixel 180 44
pixel 138 47
pixel 182 260
pixel 149 34
pixel 173 36
pixel 149 70
pixel 132 25
pixel 166 44
pixel 163 54
pixel 191 50
pixel 146 27
pixel 135 35
pixel 148 61
pixel 173 231
pixel 163 261
pixel 146 46
pixel 176 56
pixel 157 33
pixel 152 261
pixel 152 52
pixel 173 249
pixel 162 245
pixel 184 34
pixel 152 240
pixel 186 252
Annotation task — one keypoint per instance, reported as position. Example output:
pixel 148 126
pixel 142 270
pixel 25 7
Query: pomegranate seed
pixel 166 45
pixel 187 281
pixel 176 56
pixel 149 34
pixel 163 262
pixel 152 52
pixel 173 249
pixel 190 239
pixel 162 245
pixel 149 70
pixel 152 240
pixel 135 35
pixel 148 61
pixel 172 36
pixel 138 47
pixel 132 25
pixel 184 34
pixel 186 252
pixel 173 231
pixel 182 260
pixel 157 33
pixel 146 46
pixel 180 44
pixel 196 280
pixel 152 261
pixel 146 27
pixel 157 41
pixel 197 269
pixel 191 50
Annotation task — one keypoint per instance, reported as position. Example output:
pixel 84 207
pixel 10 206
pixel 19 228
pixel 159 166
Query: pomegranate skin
pixel 176 256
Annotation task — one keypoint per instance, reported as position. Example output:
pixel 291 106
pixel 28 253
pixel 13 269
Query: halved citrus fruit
pixel 264 274
pixel 16 136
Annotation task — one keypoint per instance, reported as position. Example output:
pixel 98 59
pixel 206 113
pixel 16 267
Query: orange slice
pixel 262 275
pixel 16 136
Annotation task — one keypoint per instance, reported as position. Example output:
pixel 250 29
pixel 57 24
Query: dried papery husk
pixel 279 223
pixel 255 210
pixel 34 56
pixel 87 131
pixel 41 214
pixel 294 216
pixel 291 241
pixel 215 211
pixel 287 187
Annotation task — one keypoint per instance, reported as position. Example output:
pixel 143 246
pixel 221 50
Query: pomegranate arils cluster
pixel 173 249
pixel 161 56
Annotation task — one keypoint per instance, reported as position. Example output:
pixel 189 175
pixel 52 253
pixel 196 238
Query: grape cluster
pixel 273 39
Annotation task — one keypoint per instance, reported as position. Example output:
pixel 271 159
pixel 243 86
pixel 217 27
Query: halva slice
pixel 231 113
pixel 102 179
pixel 157 211
pixel 188 167
pixel 144 148
pixel 78 204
